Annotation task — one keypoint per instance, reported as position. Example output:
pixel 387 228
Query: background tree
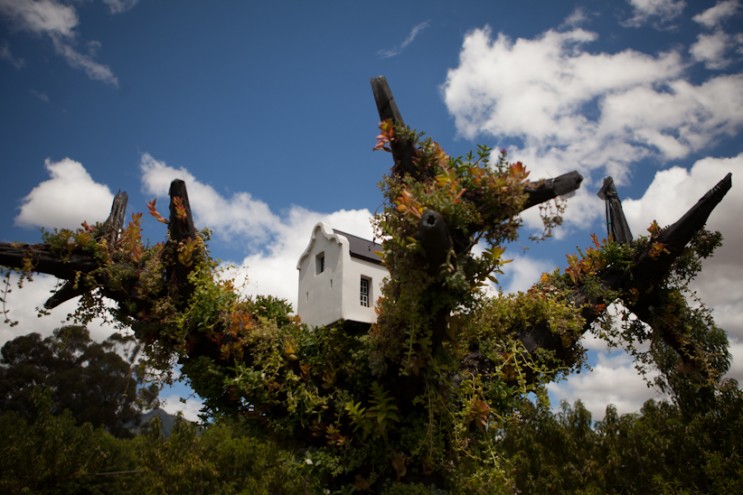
pixel 89 379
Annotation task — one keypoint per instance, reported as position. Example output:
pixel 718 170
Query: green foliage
pixel 53 455
pixel 218 459
pixel 657 451
pixel 435 395
pixel 89 379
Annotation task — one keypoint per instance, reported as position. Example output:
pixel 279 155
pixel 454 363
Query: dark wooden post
pixel 181 230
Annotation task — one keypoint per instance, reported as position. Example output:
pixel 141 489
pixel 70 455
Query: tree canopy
pixel 420 399
pixel 89 379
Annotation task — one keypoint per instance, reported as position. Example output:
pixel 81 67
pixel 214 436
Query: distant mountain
pixel 167 421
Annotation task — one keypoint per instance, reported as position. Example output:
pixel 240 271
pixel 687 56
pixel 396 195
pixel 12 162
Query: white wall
pixel 354 270
pixel 320 297
pixel 334 294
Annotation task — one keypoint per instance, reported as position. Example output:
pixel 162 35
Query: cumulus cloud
pixel 69 197
pixel 711 49
pixel 715 49
pixel 714 16
pixel 417 29
pixel 557 78
pixel 599 113
pixel 58 22
pixel 658 13
pixel 273 242
pixel 612 380
pixel 681 119
pixel 577 18
pixel 523 272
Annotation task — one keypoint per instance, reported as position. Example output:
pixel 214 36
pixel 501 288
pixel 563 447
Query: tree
pixel 54 455
pixel 661 449
pixel 89 379
pixel 418 401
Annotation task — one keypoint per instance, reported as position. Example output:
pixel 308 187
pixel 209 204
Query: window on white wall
pixel 319 263
pixel 365 292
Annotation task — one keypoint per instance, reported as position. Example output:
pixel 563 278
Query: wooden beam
pixel 109 231
pixel 543 190
pixel 386 105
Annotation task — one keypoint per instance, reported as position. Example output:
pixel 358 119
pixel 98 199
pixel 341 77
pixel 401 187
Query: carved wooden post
pixel 181 230
pixel 617 229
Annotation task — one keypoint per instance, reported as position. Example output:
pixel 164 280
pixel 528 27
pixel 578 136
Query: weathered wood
pixel 675 237
pixel 434 237
pixel 43 260
pixel 543 190
pixel 181 230
pixel 386 105
pixel 617 228
pixel 109 231
pixel 115 221
pixel 403 150
pixel 181 225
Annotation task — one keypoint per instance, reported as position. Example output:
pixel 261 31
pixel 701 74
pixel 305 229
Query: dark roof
pixel 362 248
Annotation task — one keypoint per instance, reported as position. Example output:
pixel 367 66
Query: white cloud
pixel 711 49
pixel 714 16
pixel 678 120
pixel 523 272
pixel 77 60
pixel 675 190
pixel 22 304
pixel 556 79
pixel 417 29
pixel 659 13
pixel 58 22
pixel 576 18
pixel 273 242
pixel 119 6
pixel 7 55
pixel 238 215
pixel 41 16
pixel 599 113
pixel 69 197
pixel 613 380
pixel 189 406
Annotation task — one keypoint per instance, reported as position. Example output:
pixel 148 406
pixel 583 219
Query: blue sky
pixel 265 109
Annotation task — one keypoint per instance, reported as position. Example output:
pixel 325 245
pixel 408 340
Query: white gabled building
pixel 340 278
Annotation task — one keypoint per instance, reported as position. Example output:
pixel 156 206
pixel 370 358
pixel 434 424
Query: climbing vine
pixel 421 398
